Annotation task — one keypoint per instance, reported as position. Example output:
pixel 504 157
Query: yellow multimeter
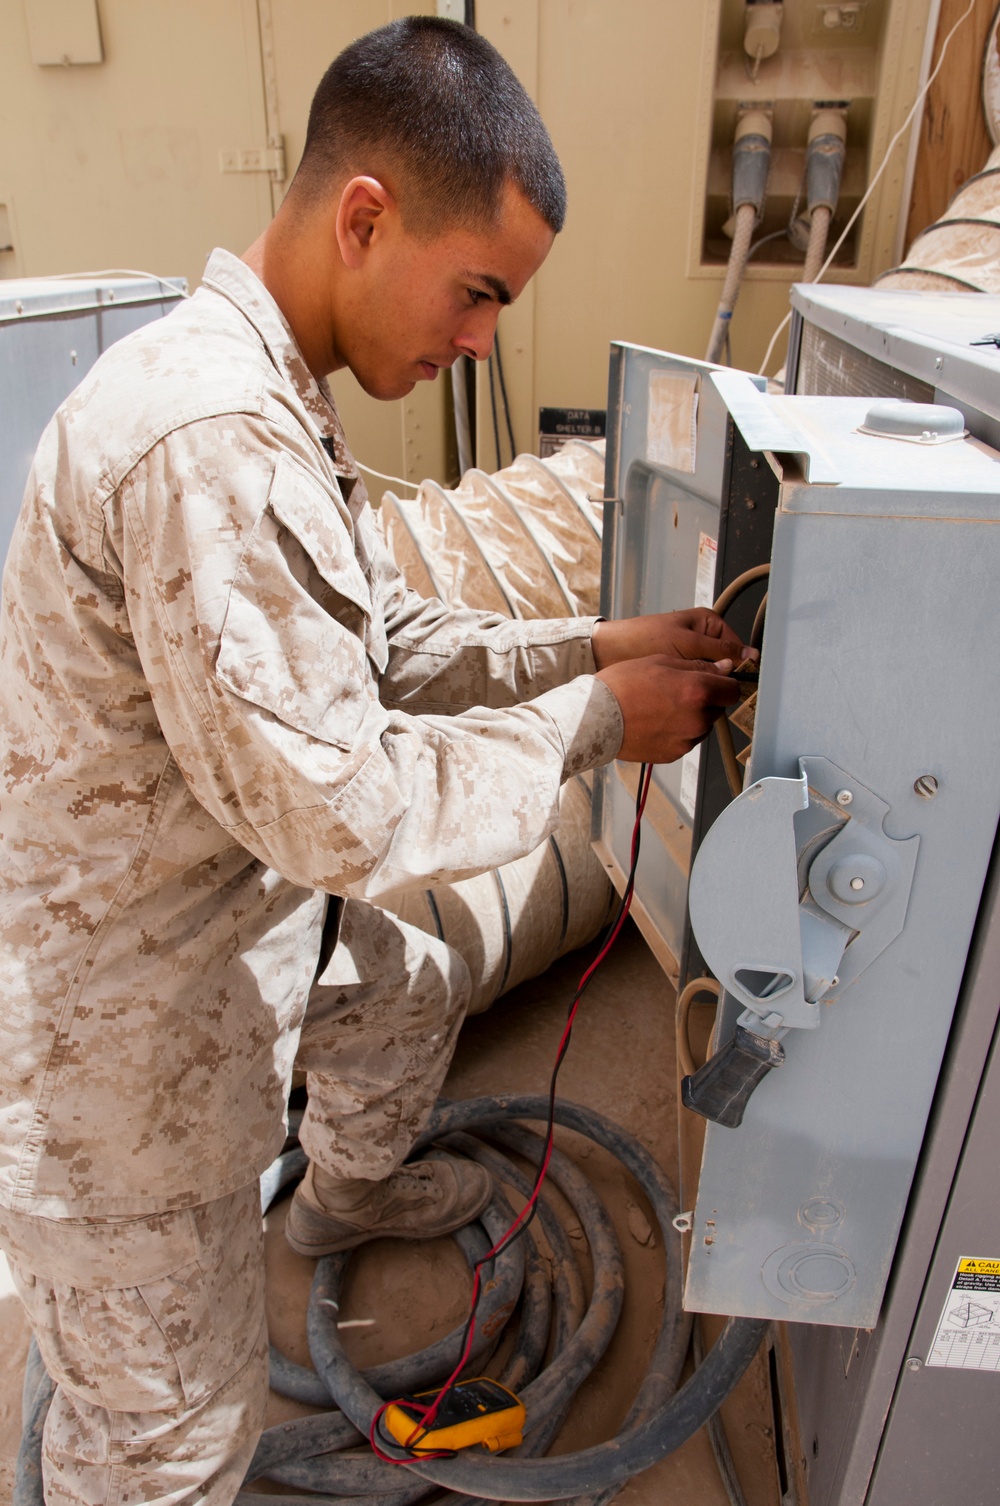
pixel 473 1411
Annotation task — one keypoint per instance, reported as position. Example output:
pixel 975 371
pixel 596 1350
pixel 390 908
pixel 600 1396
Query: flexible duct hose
pixel 311 1453
pixel 525 542
pixel 960 251
pixel 512 923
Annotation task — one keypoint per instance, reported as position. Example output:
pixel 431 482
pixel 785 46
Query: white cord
pixel 397 480
pixel 171 288
pixel 877 175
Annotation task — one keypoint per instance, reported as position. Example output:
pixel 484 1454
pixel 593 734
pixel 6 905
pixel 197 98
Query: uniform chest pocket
pixel 301 625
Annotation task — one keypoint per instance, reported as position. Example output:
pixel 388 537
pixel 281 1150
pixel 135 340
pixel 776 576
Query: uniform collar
pixel 228 275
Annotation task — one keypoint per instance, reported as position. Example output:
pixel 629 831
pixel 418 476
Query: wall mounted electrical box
pixel 794 61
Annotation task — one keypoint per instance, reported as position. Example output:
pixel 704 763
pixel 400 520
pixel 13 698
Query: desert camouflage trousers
pixel 153 1328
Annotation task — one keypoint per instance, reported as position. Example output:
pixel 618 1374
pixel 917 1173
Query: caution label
pixel 972 1266
pixel 968 1333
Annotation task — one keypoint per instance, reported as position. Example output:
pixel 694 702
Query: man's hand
pixel 698 633
pixel 667 704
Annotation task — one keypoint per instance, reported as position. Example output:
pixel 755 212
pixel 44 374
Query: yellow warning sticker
pixel 968 1332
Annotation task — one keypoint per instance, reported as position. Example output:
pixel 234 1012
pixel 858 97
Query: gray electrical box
pixel 849 898
pixel 51 333
pixel 836 898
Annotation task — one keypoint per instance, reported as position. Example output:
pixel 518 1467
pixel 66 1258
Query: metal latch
pixel 795 890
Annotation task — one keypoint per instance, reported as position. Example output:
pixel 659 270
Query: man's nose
pixel 476 340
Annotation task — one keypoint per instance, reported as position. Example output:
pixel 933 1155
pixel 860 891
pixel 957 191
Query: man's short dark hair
pixel 436 102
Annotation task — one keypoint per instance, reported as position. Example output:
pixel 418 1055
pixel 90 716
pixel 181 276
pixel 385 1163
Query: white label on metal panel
pixel 689 780
pixel 704 595
pixel 672 420
pixel 968 1334
pixel 704 581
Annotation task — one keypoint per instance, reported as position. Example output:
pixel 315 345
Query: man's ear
pixel 364 208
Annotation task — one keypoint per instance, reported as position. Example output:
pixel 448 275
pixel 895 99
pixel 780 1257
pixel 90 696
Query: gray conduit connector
pixel 751 163
pixel 825 154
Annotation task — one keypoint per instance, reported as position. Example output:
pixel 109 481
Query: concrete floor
pixel 621 1062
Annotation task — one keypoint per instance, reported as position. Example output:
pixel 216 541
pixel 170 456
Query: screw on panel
pixel 844 797
pixel 914 1364
pixel 926 785
pixel 857 883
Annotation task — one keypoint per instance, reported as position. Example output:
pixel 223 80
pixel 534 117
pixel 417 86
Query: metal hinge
pixel 253 159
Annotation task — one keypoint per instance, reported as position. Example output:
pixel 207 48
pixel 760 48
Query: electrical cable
pixel 723 731
pixel 775 235
pixel 493 411
pixel 687 997
pixel 736 587
pixel 503 396
pixel 876 176
pixel 396 480
pixel 524 1219
pixel 318 1453
pixel 171 288
pixel 757 631
pixel 727 748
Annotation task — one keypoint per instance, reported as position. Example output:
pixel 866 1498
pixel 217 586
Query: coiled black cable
pixel 309 1453
pixel 321 1454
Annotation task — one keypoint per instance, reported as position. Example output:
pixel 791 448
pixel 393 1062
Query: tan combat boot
pixel 419 1201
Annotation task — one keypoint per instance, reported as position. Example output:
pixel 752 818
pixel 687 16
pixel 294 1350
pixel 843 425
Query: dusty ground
pixel 621 1062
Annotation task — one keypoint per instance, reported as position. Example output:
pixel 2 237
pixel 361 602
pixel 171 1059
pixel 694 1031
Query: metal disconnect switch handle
pixel 776 950
pixel 720 1090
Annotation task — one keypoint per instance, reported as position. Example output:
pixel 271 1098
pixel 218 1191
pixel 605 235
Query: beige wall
pixel 117 164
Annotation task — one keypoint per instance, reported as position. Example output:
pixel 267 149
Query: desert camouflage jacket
pixel 219 704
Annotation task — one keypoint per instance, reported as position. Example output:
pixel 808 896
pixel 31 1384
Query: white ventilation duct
pixel 525 542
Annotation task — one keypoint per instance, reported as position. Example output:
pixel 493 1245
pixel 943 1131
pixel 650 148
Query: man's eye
pixel 477 296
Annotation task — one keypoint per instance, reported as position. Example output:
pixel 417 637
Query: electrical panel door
pixel 835 898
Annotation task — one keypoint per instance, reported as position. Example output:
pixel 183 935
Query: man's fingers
pixel 720 670
pixel 708 645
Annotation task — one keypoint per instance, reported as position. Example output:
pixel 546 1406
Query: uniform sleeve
pixel 444 659
pixel 263 650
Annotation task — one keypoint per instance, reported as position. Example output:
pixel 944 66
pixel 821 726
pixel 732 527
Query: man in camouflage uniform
pixel 229 728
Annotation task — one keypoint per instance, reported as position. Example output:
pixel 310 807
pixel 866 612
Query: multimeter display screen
pixel 463 1403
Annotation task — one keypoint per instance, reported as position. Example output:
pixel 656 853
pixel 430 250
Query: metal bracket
pixel 775 947
pixel 861 878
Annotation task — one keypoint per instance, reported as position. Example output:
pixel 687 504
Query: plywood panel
pixel 953 142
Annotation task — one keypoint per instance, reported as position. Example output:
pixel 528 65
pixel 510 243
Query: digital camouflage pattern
pixel 153 1330
pixel 220 704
